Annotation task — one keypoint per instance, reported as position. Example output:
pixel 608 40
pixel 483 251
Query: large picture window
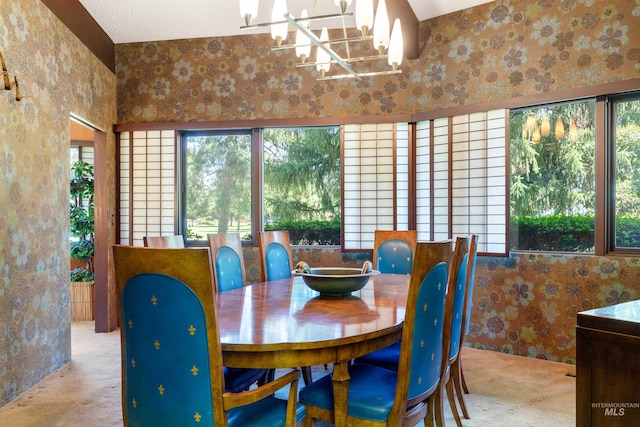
pixel 626 188
pixel 301 183
pixel 217 183
pixel 300 189
pixel 553 177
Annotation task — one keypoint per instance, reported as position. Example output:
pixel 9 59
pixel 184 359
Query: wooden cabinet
pixel 608 366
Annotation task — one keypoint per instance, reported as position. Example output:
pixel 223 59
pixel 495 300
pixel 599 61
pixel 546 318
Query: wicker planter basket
pixel 82 301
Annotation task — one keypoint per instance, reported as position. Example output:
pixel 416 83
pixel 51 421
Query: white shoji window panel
pixel 372 166
pixel 478 185
pixel 440 220
pixel 147 186
pixel 423 180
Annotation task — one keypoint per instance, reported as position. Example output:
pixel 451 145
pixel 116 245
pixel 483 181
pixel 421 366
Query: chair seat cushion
pixel 371 392
pixel 240 379
pixel 266 412
pixel 387 357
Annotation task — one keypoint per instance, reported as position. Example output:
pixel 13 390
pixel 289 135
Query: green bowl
pixel 335 281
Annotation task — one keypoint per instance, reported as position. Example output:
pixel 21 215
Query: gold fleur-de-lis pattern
pixel 277 261
pixel 228 269
pixel 395 257
pixel 458 306
pixel 427 344
pixel 167 379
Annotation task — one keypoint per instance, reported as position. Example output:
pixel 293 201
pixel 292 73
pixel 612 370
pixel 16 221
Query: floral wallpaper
pixel 523 304
pixel 499 50
pixel 527 304
pixel 57 75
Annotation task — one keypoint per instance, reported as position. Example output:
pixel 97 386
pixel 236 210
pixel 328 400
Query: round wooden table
pixel 285 324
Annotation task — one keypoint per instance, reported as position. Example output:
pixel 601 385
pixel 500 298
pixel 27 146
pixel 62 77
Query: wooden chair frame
pixel 173 241
pixel 428 405
pixel 193 267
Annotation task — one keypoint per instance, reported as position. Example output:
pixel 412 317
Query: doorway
pixel 88 143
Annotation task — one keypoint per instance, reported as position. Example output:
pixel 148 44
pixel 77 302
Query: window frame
pixel 609 193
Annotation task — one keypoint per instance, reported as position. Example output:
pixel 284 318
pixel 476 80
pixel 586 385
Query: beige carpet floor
pixel 509 391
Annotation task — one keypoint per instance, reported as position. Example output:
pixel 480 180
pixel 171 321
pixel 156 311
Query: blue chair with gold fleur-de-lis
pixel 406 396
pixel 228 261
pixel 229 273
pixel 393 250
pixel 275 254
pixel 172 372
pixel 277 263
pixel 459 323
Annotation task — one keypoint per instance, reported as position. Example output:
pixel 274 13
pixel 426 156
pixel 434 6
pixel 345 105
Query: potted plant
pixel 81 210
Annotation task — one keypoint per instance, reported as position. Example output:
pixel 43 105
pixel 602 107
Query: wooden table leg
pixel 341 380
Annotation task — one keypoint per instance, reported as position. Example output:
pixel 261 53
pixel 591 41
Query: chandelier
pixel 374 27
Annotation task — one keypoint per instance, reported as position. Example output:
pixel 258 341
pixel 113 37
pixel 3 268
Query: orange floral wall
pixel 57 75
pixel 499 50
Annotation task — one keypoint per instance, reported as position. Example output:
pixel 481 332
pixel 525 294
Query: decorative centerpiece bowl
pixel 335 281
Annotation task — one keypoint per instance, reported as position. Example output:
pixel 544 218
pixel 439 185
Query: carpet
pixel 506 390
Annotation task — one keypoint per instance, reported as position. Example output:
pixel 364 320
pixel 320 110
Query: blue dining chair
pixel 456 365
pixel 393 250
pixel 228 261
pixel 172 373
pixel 275 255
pixel 229 273
pixel 455 311
pixel 388 357
pixel 277 263
pixel 406 396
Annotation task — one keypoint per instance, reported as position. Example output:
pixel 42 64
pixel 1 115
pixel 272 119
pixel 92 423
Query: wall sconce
pixel 8 84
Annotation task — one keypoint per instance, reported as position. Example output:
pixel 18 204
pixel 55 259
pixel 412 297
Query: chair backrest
pixel 393 250
pixel 227 260
pixel 471 274
pixel 421 346
pixel 173 241
pixel 455 300
pixel 275 254
pixel 172 371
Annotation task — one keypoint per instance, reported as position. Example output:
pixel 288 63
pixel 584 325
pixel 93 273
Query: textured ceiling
pixel 128 21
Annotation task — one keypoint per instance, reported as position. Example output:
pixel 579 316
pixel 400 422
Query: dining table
pixel 285 324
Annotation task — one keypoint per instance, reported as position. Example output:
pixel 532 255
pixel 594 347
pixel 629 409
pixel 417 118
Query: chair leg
pixel 452 402
pixel 309 422
pixel 306 375
pixel 456 380
pixel 439 407
pixel 462 380
pixel 430 417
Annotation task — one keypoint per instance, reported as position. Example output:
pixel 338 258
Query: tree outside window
pixel 553 177
pixel 626 140
pixel 302 183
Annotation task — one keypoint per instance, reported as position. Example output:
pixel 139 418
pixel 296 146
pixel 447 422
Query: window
pixel 217 183
pixel 626 191
pixel 300 188
pixel 553 177
pixel 301 183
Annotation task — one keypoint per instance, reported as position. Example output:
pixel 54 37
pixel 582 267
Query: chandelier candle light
pixel 389 45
